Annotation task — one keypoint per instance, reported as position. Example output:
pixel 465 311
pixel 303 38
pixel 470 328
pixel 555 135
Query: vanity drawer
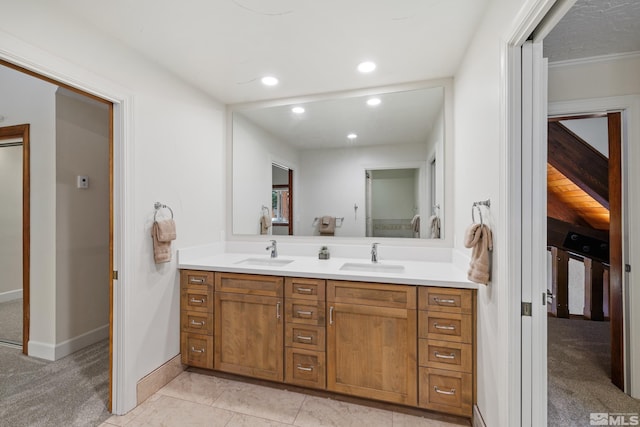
pixel 305 289
pixel 305 337
pixel 445 355
pixel 196 298
pixel 375 294
pixel 196 322
pixel 250 284
pixel 445 326
pixel 197 350
pixel 196 277
pixel 448 300
pixel 446 391
pixel 305 368
pixel 305 312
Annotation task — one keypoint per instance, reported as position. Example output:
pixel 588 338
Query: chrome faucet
pixel 374 252
pixel 274 249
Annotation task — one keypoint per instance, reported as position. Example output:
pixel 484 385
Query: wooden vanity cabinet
pixel 196 318
pixel 446 349
pixel 372 341
pixel 305 356
pixel 249 325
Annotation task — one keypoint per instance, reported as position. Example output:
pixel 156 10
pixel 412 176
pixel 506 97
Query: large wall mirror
pixel 366 164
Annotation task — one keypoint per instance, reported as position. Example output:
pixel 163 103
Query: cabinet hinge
pixel 525 309
pixel 114 275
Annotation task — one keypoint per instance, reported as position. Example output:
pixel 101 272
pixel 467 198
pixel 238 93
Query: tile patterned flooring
pixel 193 399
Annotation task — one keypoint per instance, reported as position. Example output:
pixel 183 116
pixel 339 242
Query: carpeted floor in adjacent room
pixel 579 380
pixel 11 321
pixel 72 391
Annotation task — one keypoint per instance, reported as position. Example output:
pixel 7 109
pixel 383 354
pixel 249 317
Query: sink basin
pixel 269 262
pixel 372 267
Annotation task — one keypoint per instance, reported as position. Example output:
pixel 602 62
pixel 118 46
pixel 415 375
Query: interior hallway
pixel 11 321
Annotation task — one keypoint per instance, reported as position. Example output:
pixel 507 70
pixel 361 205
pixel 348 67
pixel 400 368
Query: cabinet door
pixel 371 350
pixel 249 335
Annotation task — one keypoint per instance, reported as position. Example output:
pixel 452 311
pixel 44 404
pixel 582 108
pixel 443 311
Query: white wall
pixel 10 222
pixel 592 130
pixel 24 99
pixel 614 82
pixel 478 120
pixel 82 220
pixel 174 142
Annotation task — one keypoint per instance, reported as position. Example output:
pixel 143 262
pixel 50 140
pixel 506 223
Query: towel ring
pixel 158 206
pixel 473 209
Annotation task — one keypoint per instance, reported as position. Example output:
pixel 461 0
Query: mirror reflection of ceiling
pixel 224 47
pixel 595 28
pixel 405 117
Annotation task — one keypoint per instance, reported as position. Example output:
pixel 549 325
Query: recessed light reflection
pixel 297 110
pixel 352 136
pixel 366 67
pixel 269 81
pixel 372 102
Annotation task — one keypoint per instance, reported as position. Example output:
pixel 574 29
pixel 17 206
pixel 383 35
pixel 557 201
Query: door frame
pixel 22 131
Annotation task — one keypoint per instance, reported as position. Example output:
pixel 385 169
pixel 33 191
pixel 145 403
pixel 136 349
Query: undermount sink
pixel 269 262
pixel 372 267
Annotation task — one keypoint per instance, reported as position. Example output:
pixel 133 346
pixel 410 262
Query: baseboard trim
pixel 477 420
pixel 11 295
pixel 55 352
pixel 157 379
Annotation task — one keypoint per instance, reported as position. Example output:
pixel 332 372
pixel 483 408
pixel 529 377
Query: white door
pixel 534 235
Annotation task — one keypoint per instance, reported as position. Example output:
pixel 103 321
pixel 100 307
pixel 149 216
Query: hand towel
pixel 162 233
pixel 434 226
pixel 415 223
pixel 478 237
pixel 327 226
pixel 265 223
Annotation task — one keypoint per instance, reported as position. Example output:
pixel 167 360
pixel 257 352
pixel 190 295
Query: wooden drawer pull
pixel 448 393
pixel 302 368
pixel 197 301
pixel 444 356
pixel 446 327
pixel 443 301
pixel 201 323
pixel 304 313
pixel 194 350
pixel 198 281
pixel 304 290
pixel 303 338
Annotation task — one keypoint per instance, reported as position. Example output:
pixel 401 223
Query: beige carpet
pixel 579 380
pixel 72 391
pixel 11 321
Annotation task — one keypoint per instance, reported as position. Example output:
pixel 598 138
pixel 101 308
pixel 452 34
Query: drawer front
pixel 250 284
pixel 196 277
pixel 306 368
pixel 305 337
pixel 445 355
pixel 305 289
pixel 445 326
pixel 305 312
pixel 445 299
pixel 197 298
pixel 197 350
pixel 446 391
pixel 196 322
pixel 372 294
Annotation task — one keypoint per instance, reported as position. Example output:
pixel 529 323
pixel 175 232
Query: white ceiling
pixel 223 47
pixel 595 28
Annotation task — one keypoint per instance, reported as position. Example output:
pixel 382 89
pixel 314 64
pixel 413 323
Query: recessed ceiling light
pixel 372 102
pixel 269 81
pixel 297 110
pixel 366 67
pixel 352 136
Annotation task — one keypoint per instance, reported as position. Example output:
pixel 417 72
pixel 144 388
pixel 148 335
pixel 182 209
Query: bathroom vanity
pixel 376 331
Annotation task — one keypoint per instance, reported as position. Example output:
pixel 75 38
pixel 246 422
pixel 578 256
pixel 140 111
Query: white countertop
pixel 415 272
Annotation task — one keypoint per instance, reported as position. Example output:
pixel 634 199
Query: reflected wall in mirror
pixel 363 168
